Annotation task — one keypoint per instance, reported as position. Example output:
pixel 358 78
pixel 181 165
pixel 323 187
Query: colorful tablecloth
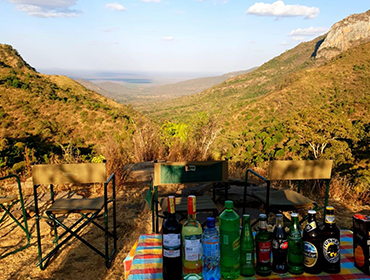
pixel 147 261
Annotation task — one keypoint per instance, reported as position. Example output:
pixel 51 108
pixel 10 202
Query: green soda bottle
pixel 246 248
pixel 230 242
pixel 295 246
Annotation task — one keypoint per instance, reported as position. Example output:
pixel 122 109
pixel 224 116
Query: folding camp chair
pixel 88 208
pixel 289 200
pixel 169 173
pixel 6 204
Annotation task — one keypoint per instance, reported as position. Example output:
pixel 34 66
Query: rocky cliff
pixel 349 32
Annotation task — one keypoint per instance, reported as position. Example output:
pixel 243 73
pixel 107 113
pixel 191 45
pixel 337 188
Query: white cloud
pixel 310 31
pixel 115 6
pixel 279 9
pixel 168 38
pixel 47 8
pixel 150 1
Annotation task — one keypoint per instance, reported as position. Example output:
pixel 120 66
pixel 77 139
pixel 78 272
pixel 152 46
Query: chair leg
pixel 24 228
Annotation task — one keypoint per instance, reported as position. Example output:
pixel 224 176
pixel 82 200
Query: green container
pixel 230 242
pixel 246 248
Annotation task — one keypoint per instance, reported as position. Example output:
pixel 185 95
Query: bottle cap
pixel 229 204
pixel 329 208
pixel 262 216
pixel 279 215
pixel 171 204
pixel 192 204
pixel 210 222
pixel 311 212
pixel 294 215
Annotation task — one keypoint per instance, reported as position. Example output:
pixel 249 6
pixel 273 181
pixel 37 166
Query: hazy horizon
pixel 147 36
pixel 139 77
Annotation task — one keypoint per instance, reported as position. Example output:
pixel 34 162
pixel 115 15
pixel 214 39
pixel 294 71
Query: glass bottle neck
pixel 279 222
pixel 295 223
pixel 263 225
pixel 192 216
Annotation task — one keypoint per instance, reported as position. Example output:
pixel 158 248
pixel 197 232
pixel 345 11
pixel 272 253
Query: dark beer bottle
pixel 172 263
pixel 311 245
pixel 330 238
pixel 295 246
pixel 279 247
pixel 246 248
pixel 263 248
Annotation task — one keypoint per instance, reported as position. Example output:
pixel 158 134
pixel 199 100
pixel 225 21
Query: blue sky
pixel 209 36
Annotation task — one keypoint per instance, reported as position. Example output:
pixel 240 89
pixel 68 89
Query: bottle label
pixel 310 254
pixel 280 244
pixel 171 253
pixel 264 252
pixel 330 219
pixel 310 226
pixel 331 250
pixel 236 243
pixel 172 240
pixel 193 247
pixel 211 247
pixel 171 245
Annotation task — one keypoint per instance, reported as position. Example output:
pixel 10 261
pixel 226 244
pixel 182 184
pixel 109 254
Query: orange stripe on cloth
pixel 147 261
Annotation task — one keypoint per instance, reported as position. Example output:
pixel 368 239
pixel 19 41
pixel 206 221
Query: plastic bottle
pixel 211 251
pixel 295 246
pixel 246 248
pixel 230 242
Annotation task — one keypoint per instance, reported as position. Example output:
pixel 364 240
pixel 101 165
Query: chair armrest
pixel 112 178
pixel 255 174
pixel 246 185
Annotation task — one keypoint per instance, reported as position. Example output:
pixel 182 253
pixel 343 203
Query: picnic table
pixel 145 261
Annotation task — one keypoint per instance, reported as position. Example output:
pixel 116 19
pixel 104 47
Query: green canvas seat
pixel 89 209
pixel 7 202
pixel 289 170
pixel 170 173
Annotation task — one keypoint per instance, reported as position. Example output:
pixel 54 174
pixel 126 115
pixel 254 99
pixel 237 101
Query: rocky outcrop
pixel 351 31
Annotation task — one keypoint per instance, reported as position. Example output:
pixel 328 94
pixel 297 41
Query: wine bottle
pixel 191 244
pixel 172 263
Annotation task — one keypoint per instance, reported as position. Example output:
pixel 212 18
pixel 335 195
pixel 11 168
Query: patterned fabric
pixel 145 259
pixel 147 262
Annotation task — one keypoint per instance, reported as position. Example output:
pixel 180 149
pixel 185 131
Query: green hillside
pixel 292 107
pixel 42 116
pixel 232 94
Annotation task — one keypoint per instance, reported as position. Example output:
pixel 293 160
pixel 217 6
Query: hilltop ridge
pixel 345 34
pixel 45 113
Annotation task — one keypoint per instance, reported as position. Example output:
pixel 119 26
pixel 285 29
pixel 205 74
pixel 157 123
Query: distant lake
pixel 128 80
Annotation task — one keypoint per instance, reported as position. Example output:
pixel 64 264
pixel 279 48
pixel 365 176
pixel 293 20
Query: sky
pixel 163 36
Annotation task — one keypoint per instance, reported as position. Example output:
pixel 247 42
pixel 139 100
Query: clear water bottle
pixel 211 251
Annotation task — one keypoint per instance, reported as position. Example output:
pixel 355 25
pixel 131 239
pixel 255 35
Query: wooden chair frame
pixel 89 209
pixel 302 170
pixel 7 203
pixel 169 173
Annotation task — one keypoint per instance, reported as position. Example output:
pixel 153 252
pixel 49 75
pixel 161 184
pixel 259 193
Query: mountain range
pixel 309 102
pixel 140 95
